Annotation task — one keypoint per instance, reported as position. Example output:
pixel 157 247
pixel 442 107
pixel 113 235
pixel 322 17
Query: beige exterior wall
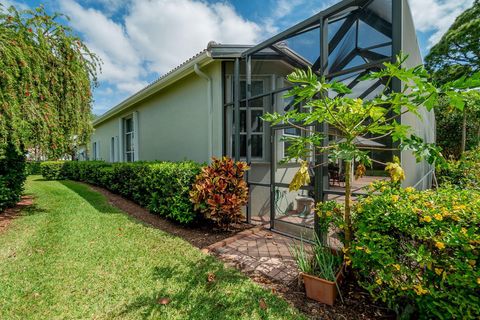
pixel 172 123
pixel 102 137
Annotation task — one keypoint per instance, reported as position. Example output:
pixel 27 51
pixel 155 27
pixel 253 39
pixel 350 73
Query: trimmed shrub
pixel 418 251
pixel 220 191
pixel 162 187
pixel 52 170
pixel 33 167
pixel 12 177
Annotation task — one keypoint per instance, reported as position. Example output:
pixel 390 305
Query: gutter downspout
pixel 203 75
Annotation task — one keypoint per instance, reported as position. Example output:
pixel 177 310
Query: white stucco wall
pixel 172 124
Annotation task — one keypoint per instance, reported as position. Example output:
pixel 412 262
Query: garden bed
pixel 276 271
pixel 200 234
pixel 7 216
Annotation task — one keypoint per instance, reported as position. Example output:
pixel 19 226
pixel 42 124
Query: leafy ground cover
pixel 72 255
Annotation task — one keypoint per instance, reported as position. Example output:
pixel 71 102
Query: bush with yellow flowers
pixel 462 173
pixel 418 251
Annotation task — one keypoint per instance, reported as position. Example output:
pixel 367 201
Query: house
pixel 211 105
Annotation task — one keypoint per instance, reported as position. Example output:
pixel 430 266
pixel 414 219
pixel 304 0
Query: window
pixel 289 133
pixel 112 149
pixel 129 139
pixel 256 110
pixel 94 151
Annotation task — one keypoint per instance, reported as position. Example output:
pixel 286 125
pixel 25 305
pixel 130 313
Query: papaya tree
pixel 354 118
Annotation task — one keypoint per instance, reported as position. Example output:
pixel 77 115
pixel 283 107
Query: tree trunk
pixel 464 131
pixel 348 195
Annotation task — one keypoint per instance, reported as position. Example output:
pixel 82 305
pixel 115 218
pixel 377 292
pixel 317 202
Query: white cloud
pixel 281 9
pixel 436 16
pixel 110 7
pixel 153 36
pixel 285 13
pixel 285 7
pixel 131 86
pixel 107 39
pixel 169 32
pixel 142 39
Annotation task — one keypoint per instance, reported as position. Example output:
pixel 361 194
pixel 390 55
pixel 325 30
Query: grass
pixel 73 256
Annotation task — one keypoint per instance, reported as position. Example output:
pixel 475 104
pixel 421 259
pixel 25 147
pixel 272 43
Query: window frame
pixel 129 135
pixel 230 126
pixel 94 151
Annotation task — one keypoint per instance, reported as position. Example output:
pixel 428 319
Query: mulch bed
pixel 9 214
pixel 200 235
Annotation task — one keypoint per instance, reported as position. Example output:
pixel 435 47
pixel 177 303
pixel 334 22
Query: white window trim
pixel 132 139
pixel 96 150
pixel 229 119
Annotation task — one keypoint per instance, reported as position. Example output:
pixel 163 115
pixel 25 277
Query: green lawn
pixel 73 256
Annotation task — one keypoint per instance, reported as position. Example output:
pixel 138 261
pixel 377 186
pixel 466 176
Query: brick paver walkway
pixel 263 251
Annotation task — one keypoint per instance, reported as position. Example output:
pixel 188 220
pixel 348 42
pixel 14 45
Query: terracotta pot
pixel 322 290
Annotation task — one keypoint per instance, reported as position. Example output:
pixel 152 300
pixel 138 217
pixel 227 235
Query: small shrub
pixel 170 184
pixel 12 177
pixel 419 250
pixel 220 191
pixel 53 170
pixel 33 167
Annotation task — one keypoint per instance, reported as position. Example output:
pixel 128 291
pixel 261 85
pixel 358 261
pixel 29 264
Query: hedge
pixel 162 187
pixel 419 251
pixel 12 177
pixel 32 167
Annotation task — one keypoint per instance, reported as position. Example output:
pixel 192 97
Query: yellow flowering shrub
pixel 419 251
pixel 462 173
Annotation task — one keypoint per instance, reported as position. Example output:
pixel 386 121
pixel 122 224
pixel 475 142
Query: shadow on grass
pixel 32 210
pixel 229 296
pixel 100 202
pixel 95 199
pixel 38 178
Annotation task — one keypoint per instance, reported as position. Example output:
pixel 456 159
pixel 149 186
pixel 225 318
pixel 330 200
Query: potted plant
pixel 321 270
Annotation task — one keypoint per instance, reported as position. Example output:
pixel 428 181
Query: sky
pixel 139 40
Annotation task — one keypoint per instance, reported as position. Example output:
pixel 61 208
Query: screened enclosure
pixel 341 43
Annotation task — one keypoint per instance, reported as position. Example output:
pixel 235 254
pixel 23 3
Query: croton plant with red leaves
pixel 220 191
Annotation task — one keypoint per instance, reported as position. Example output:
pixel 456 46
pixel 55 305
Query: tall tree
pixel 46 79
pixel 457 54
pixel 356 118
pixel 458 51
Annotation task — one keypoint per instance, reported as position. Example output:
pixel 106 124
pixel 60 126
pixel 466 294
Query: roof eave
pixel 202 59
